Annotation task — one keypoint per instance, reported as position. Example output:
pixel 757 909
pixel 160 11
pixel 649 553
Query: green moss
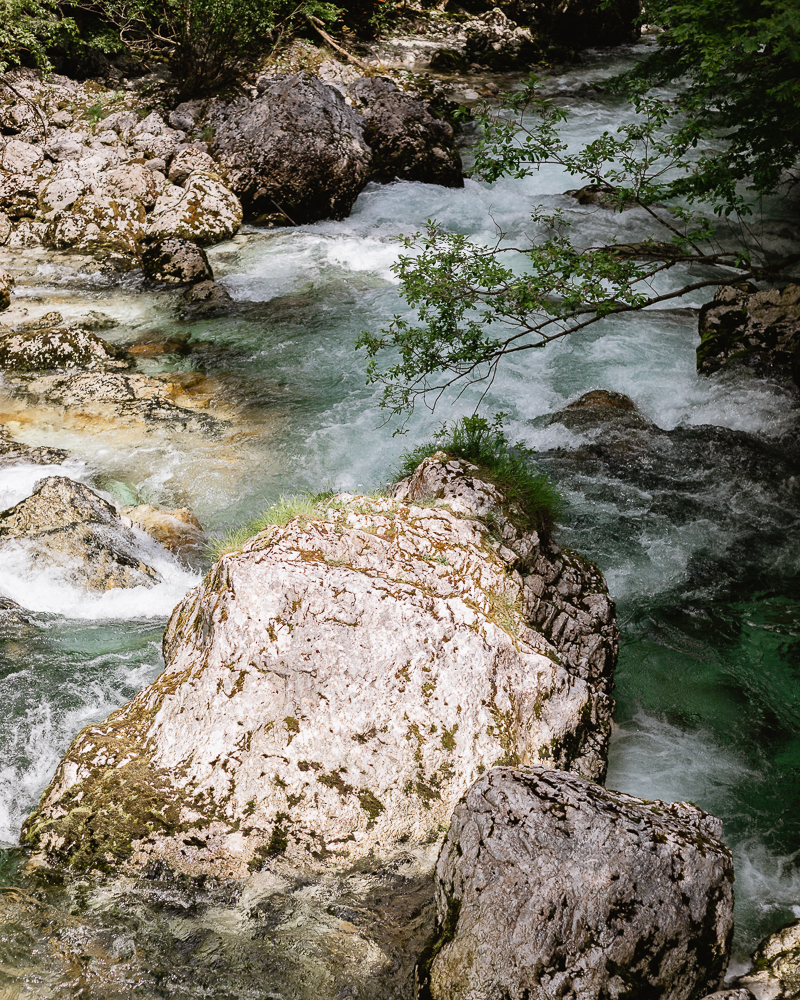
pixel 449 738
pixel 335 780
pixel 371 805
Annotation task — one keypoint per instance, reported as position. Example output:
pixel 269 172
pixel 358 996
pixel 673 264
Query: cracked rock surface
pixel 548 885
pixel 332 689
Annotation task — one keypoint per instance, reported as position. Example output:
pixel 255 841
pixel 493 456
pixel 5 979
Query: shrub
pixel 27 29
pixel 304 506
pixel 509 467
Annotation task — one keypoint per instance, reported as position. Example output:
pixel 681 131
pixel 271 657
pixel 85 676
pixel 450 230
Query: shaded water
pixel 693 518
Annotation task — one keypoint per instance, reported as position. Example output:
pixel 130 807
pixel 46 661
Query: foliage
pixel 739 65
pixel 509 467
pixel 27 29
pixel 204 40
pixel 477 304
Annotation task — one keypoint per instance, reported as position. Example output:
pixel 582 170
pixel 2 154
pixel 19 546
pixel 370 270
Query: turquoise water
pixel 694 520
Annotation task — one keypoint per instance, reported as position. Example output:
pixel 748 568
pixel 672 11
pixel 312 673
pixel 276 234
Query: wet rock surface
pixel 294 154
pixel 332 689
pixel 549 885
pixel 58 347
pixel 177 530
pixel 776 970
pixel 12 452
pixel 176 262
pixel 68 526
pixel 757 328
pixel 408 141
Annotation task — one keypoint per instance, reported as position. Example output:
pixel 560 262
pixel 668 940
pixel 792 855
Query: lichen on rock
pixel 329 692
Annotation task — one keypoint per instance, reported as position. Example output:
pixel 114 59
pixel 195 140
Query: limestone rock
pixel 408 141
pixel 188 160
pixel 732 994
pixel 759 328
pixel 5 230
pixel 57 347
pixel 18 157
pixel 67 525
pixel 548 885
pixel 203 211
pixel 153 124
pixel 133 181
pixel 329 693
pixel 97 223
pixel 494 40
pixel 776 971
pixel 177 530
pixel 6 284
pixel 176 262
pixel 121 121
pixel 297 149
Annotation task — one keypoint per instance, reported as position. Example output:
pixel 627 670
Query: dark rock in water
pixel 57 347
pixel 602 399
pixel 12 452
pixel 66 524
pixel 207 298
pixel 776 969
pixel 6 283
pixel 176 262
pixel 295 154
pixel 11 615
pixel 408 140
pixel 549 885
pixel 761 329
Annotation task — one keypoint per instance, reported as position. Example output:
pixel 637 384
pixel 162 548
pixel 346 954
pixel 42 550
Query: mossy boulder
pixel 331 689
pixel 776 965
pixel 60 347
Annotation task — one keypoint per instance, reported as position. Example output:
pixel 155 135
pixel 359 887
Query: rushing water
pixel 692 514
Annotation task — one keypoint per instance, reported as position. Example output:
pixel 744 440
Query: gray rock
pixel 776 969
pixel 18 157
pixel 67 525
pixel 732 994
pixel 548 885
pixel 329 693
pixel 408 141
pixel 207 298
pixel 57 347
pixel 495 41
pixel 176 262
pixel 186 161
pixel 295 154
pixel 99 223
pixel 758 328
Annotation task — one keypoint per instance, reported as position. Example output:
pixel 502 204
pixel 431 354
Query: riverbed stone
pixel 57 347
pixel 295 154
pixel 204 211
pixel 6 284
pixel 408 141
pixel 176 262
pixel 13 452
pixel 329 692
pixel 66 525
pixel 177 530
pixel 550 885
pixel 776 966
pixel 757 328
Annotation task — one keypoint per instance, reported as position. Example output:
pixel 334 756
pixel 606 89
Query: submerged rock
pixel 67 525
pixel 176 530
pixel 295 154
pixel 57 347
pixel 12 452
pixel 759 328
pixel 776 970
pixel 176 262
pixel 548 885
pixel 408 141
pixel 332 689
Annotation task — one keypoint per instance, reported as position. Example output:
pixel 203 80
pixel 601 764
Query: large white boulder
pixel 203 211
pixel 329 693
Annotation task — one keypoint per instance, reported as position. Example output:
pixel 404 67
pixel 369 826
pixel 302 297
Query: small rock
pixel 157 165
pixel 185 115
pixel 153 124
pixel 733 994
pixel 121 121
pixel 58 347
pixel 602 398
pixel 63 119
pixel 549 885
pixel 186 161
pixel 67 525
pixel 5 227
pixel 177 530
pixel 6 284
pixel 207 298
pixel 18 157
pixel 176 262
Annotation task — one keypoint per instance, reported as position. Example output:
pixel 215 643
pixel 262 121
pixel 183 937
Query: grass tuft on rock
pixel 305 506
pixel 509 467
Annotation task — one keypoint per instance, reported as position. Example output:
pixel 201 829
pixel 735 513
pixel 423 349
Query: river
pixel 692 514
